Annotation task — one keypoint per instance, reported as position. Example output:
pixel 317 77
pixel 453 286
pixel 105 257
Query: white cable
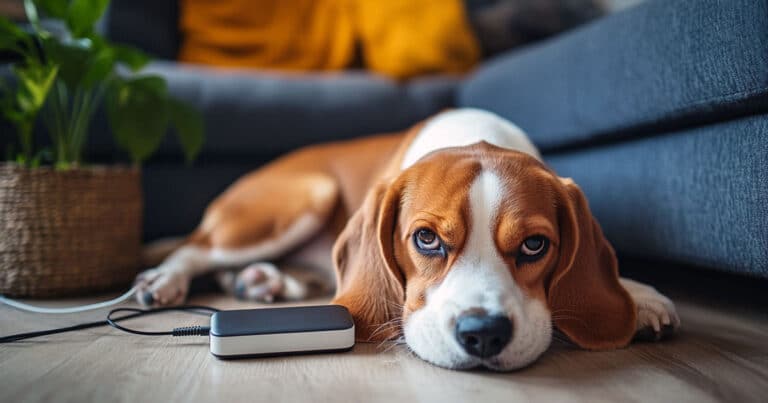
pixel 74 309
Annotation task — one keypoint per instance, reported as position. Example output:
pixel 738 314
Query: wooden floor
pixel 721 354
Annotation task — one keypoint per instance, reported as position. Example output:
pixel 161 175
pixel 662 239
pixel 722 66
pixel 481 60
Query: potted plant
pixel 68 227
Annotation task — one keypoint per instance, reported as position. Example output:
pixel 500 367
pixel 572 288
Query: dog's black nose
pixel 483 335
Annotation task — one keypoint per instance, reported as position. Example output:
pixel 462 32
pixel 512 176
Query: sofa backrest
pixel 657 67
pixel 150 25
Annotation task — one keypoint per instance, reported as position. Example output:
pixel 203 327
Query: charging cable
pixel 111 320
pixel 75 309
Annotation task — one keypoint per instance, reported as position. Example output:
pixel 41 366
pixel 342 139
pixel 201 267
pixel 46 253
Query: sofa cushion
pixel 698 196
pixel 252 113
pixel 659 66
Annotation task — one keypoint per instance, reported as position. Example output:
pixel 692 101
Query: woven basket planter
pixel 68 232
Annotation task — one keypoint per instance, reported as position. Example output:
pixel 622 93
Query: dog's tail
pixel 155 252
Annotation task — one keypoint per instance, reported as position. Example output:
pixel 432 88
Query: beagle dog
pixel 453 237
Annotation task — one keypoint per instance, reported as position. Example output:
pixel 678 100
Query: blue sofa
pixel 659 112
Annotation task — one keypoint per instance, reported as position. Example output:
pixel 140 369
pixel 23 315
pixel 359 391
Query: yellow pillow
pixel 398 38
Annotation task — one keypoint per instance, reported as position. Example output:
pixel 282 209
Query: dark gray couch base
pixel 176 196
pixel 698 196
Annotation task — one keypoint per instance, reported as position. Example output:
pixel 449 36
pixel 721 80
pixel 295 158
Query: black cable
pixel 136 312
pixel 179 331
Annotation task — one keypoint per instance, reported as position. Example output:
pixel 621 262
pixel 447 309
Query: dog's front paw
pixel 263 282
pixel 656 315
pixel 156 287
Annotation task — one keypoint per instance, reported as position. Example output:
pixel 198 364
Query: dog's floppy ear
pixel 368 280
pixel 587 301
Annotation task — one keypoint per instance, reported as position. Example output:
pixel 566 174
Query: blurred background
pixel 273 76
pixel 656 108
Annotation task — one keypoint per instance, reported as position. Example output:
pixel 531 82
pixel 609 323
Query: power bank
pixel 278 331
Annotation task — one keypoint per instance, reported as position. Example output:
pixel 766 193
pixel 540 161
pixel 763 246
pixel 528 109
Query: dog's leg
pixel 262 217
pixel 304 273
pixel 656 315
pixel 269 282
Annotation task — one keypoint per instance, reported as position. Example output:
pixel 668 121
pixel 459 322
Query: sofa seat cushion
pixel 255 113
pixel 659 66
pixel 698 196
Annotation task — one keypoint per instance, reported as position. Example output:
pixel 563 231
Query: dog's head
pixel 473 254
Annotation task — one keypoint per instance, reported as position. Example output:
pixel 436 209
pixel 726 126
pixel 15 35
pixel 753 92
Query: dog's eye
pixel 533 248
pixel 427 242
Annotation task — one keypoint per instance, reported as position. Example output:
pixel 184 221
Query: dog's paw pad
pixel 260 282
pixel 264 282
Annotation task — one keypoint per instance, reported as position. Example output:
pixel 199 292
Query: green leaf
pixel 14 115
pixel 11 36
pixel 132 57
pixel 189 127
pixel 83 62
pixel 34 84
pixel 71 57
pixel 137 109
pixel 53 8
pixel 99 67
pixel 83 14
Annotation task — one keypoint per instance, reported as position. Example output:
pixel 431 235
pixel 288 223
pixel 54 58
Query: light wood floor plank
pixel 719 355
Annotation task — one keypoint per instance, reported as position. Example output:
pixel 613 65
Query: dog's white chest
pixel 463 127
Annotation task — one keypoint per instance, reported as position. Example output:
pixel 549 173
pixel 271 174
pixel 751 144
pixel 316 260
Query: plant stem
pixel 81 127
pixel 78 136
pixel 25 130
pixel 68 124
pixel 55 122
pixel 62 107
pixel 92 100
pixel 74 123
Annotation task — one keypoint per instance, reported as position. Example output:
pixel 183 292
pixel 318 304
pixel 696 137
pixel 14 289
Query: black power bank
pixel 277 331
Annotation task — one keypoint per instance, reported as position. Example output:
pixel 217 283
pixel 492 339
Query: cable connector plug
pixel 191 331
